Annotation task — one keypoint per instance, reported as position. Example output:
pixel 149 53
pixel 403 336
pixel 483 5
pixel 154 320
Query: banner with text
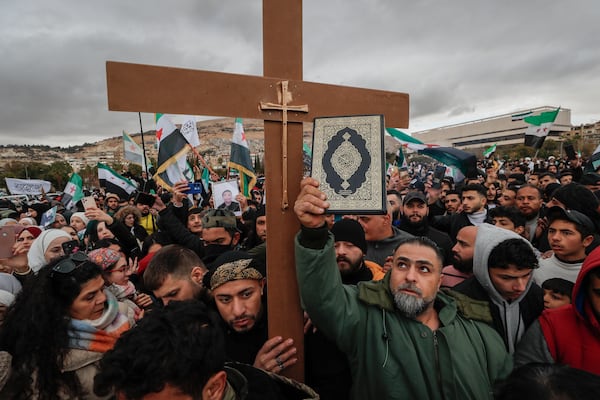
pixel 27 186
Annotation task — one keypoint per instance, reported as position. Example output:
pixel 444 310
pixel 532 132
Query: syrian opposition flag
pixel 539 127
pixel 489 151
pixel 595 159
pixel 240 159
pixel 450 156
pixel 133 152
pixel 520 116
pixel 73 191
pixel 172 154
pixel 400 159
pixel 112 182
pixel 407 140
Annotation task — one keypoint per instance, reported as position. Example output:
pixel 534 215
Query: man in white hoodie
pixel 503 265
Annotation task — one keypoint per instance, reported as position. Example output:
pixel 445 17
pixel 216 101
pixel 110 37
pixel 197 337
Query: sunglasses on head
pixel 70 264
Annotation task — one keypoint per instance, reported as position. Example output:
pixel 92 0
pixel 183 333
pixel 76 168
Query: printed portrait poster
pixel 224 194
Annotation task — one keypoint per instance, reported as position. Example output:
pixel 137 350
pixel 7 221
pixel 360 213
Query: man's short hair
pixel 181 345
pixel 529 185
pixel 550 174
pixel 456 192
pixel 174 260
pixel 517 252
pixel 475 187
pixel 512 213
pixel 425 242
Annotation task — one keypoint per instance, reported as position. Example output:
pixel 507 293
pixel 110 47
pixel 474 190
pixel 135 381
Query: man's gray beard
pixel 409 305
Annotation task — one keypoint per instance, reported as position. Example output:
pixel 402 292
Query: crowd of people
pixel 479 289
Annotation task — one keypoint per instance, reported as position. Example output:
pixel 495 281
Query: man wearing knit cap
pixel 237 284
pixel 350 248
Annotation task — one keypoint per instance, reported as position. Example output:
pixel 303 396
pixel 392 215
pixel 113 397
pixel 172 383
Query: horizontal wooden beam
pixel 155 89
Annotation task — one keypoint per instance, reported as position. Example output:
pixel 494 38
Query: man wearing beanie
pixel 350 250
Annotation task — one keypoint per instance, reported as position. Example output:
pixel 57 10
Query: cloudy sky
pixel 459 60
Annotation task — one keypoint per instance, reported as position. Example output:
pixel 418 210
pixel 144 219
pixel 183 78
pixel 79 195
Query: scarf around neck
pixel 99 335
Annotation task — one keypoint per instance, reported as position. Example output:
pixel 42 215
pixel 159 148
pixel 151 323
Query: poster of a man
pixel 224 196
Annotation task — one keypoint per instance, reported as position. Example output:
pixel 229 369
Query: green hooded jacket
pixel 392 356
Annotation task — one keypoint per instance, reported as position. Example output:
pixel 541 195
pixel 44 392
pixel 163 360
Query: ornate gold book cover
pixel 348 159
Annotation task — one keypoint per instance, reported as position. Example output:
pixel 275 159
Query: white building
pixel 503 129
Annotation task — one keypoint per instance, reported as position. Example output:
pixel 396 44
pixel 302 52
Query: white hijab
pixel 35 256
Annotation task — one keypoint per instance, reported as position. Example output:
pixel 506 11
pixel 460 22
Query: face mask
pixel 214 250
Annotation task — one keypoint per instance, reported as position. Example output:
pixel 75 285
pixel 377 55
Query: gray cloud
pixel 458 60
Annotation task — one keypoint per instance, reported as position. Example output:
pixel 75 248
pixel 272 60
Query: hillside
pixel 215 139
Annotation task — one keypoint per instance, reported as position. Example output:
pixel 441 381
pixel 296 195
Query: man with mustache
pixel 403 338
pixel 415 221
pixel 237 285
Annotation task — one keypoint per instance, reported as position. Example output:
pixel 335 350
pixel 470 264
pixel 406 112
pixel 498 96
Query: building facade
pixel 506 129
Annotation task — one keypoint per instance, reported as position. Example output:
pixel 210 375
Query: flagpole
pixel 202 161
pixel 145 166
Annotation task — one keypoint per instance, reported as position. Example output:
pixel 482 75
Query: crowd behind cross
pixel 483 288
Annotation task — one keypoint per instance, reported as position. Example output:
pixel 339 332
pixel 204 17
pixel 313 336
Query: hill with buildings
pixel 215 140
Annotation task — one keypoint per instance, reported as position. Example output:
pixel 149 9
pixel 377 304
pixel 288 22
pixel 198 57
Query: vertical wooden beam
pixel 282 57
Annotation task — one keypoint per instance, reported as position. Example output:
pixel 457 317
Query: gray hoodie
pixel 488 237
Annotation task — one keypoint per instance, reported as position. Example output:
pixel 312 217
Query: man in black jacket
pixel 415 222
pixel 474 211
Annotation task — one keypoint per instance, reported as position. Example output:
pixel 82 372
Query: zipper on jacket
pixel 438 370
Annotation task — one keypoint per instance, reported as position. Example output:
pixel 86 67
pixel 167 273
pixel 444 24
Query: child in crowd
pixel 557 292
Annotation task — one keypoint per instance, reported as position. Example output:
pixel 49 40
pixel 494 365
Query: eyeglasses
pixel 70 264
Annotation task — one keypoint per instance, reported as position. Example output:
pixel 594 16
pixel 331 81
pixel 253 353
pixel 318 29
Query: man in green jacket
pixel 403 338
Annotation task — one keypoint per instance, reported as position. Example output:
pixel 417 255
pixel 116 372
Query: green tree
pixel 58 174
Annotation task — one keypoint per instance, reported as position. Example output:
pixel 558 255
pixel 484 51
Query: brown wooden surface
pixel 148 88
pixel 282 56
pixel 143 88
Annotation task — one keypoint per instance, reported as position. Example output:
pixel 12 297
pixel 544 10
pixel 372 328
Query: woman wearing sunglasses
pixel 58 329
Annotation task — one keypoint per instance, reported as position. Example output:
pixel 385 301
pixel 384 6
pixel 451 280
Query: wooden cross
pixel 134 87
pixel 284 97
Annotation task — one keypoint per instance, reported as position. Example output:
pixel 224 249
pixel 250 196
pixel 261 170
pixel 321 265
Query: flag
pixel 112 182
pixel 73 191
pixel 172 153
pixel 595 159
pixel 400 159
pixel 133 152
pixel 539 126
pixel 206 180
pixel 306 156
pixel 189 130
pixel 27 186
pixel 240 159
pixel 407 140
pixel 450 156
pixel 489 151
pixel 48 217
pixel 520 116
